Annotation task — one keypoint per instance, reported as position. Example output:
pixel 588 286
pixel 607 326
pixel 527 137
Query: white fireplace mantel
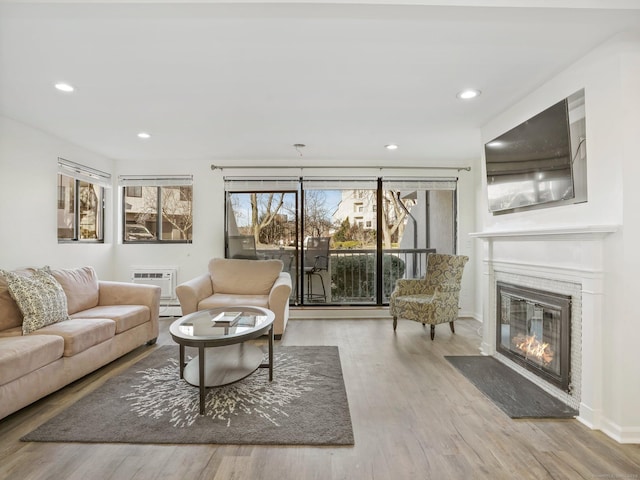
pixel 559 233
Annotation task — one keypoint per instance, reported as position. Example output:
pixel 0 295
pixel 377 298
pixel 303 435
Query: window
pixel 80 202
pixel 157 209
pixel 133 191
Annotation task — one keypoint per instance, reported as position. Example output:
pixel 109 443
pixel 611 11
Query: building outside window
pixel 157 209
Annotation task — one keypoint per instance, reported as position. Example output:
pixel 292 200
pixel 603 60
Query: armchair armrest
pixel 279 301
pixel 191 292
pixel 279 294
pixel 411 286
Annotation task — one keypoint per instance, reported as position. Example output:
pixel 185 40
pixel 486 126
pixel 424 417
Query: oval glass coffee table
pixel 220 334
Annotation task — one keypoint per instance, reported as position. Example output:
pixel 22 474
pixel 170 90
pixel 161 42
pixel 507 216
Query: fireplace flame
pixel 532 347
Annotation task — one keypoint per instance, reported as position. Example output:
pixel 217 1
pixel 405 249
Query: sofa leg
pixel 152 341
pixel 433 331
pixel 395 323
pixel 453 330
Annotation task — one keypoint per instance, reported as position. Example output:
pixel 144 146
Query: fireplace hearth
pixel 533 330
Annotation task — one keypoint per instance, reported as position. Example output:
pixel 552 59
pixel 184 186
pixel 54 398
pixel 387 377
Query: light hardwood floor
pixel 414 417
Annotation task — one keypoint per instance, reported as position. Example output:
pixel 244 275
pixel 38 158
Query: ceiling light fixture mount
pixel 468 94
pixel 64 87
pixel 298 147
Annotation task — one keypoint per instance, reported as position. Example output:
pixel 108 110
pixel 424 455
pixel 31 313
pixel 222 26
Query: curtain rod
pixel 220 167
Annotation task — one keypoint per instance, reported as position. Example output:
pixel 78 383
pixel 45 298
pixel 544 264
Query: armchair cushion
pixel 244 277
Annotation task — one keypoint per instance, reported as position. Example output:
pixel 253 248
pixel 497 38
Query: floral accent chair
pixel 432 299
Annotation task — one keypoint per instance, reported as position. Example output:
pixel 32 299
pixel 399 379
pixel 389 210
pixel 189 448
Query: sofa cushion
pixel 25 354
pixel 80 285
pixel 125 316
pixel 227 300
pixel 40 298
pixel 80 334
pixel 244 277
pixel 10 314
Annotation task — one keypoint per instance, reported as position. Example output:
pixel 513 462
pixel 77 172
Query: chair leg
pixel 433 331
pixel 324 292
pixel 395 323
pixel 453 330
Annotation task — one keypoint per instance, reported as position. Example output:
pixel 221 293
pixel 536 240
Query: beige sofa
pixel 232 282
pixel 106 320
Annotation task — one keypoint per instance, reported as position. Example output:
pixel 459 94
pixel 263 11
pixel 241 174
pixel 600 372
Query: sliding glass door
pixel 262 222
pixel 344 241
pixel 343 212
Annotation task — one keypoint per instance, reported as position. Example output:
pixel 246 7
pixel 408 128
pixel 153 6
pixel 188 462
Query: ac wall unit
pixel 163 278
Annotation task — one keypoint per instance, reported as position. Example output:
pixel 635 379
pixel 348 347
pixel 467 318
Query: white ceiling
pixel 233 82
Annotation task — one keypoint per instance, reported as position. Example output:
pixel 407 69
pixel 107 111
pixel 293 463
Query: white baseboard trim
pixel 170 310
pixel 339 312
pixel 595 421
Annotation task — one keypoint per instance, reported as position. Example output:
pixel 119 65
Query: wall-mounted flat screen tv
pixel 531 164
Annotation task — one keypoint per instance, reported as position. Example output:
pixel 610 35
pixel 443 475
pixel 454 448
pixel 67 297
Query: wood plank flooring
pixel 414 417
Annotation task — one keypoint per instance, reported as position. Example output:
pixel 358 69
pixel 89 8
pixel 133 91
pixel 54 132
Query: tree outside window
pixel 159 214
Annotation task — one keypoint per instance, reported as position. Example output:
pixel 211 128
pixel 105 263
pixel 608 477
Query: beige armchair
pixel 234 282
pixel 432 299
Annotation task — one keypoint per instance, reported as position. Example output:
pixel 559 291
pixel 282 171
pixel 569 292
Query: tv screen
pixel 531 164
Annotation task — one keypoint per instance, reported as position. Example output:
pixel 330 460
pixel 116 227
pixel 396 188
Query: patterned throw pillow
pixel 40 298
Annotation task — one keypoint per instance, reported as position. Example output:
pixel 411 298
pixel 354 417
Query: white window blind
pixel 261 184
pixel 405 184
pixel 155 180
pixel 347 183
pixel 84 173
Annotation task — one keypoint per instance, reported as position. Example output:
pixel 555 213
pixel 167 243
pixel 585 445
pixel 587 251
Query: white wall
pixel 29 199
pixel 609 75
pixel 208 223
pixel 28 202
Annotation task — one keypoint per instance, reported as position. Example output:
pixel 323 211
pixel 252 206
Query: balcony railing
pixel 350 278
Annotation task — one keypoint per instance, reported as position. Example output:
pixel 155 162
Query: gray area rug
pixel 306 404
pixel 516 396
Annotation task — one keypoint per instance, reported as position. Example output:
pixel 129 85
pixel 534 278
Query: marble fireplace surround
pixel 562 260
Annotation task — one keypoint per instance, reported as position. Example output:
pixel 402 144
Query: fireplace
pixel 533 330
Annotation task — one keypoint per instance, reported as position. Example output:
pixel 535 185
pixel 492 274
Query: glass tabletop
pixel 222 323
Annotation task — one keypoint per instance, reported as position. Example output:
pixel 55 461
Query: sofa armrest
pixel 190 293
pixel 279 301
pixel 123 293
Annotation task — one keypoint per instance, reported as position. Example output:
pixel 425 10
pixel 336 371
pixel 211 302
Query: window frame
pixel 159 183
pixel 78 174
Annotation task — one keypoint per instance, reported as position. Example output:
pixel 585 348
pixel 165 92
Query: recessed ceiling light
pixel 391 146
pixel 144 135
pixel 468 94
pixel 64 87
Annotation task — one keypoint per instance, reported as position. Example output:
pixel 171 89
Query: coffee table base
pixel 224 365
